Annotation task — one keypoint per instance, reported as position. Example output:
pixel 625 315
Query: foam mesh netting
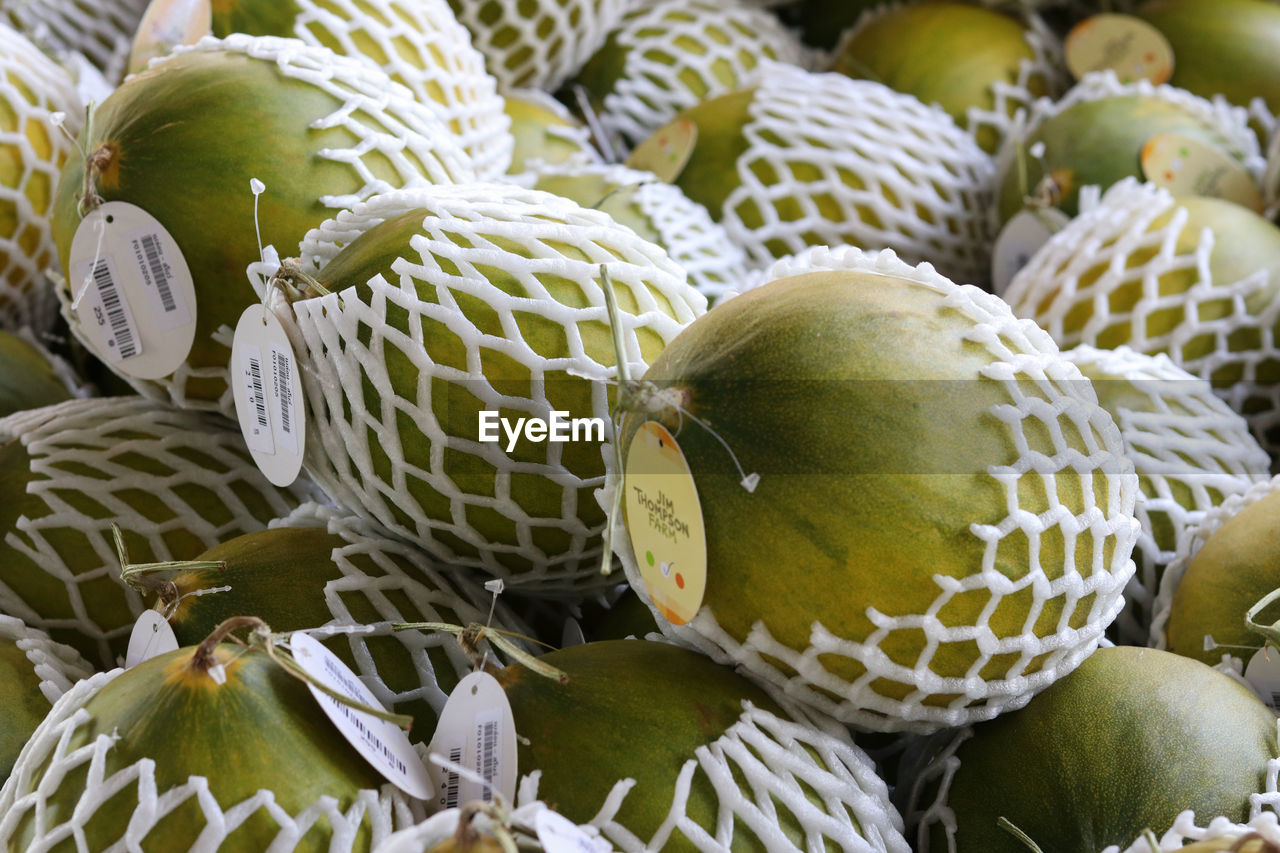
pixel 50 761
pixel 1188 548
pixel 546 132
pixel 1100 281
pixel 176 482
pixel 538 43
pixel 422 45
pixel 497 305
pixel 77 386
pixel 1225 124
pixel 1190 450
pixel 713 262
pixel 101 30
pixel 678 53
pixel 1271 176
pixel 395 581
pixel 1044 72
pixel 928 808
pixel 520 823
pixel 1048 403
pixel 58 666
pixel 33 90
pixel 832 161
pixel 386 126
pixel 764 764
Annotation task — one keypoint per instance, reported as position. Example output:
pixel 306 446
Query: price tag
pixel 664 521
pixel 167 24
pixel 667 151
pixel 558 834
pixel 268 395
pixel 151 637
pixel 1263 674
pixel 1129 46
pixel 1186 166
pixel 381 743
pixel 476 732
pixel 132 291
pixel 1021 237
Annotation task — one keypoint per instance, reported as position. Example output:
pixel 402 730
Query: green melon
pixel 1229 48
pixel 1121 745
pixel 183 140
pixel 28 379
pixel 866 402
pixel 544 130
pixel 951 54
pixel 822 22
pixel 260 730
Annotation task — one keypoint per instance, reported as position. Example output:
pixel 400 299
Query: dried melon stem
pixel 94 165
pixel 142 576
pixel 295 282
pixel 470 637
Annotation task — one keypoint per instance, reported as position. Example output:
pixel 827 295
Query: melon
pixel 1190 450
pixel 1124 744
pixel 184 139
pixel 667 56
pixel 34 673
pixel 980 65
pixel 657 211
pixel 447 303
pixel 33 91
pixel 942 518
pixel 481 831
pixel 545 132
pixel 175 482
pixel 99 30
pixel 418 43
pixel 323 572
pixel 805 159
pixel 662 748
pixel 1195 278
pixel 1094 135
pixel 260 765
pixel 31 377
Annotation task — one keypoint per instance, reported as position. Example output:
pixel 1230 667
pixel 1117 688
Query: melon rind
pixel 669 47
pixel 100 30
pixel 558 136
pixel 521 233
pixel 79 456
pixel 33 89
pixel 519 821
pixel 1023 357
pixel 1190 450
pixel 47 760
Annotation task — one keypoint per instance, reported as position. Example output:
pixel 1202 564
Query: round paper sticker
pixel 132 291
pixel 268 395
pixel 1186 166
pixel 1021 237
pixel 664 520
pixel 667 151
pixel 1129 46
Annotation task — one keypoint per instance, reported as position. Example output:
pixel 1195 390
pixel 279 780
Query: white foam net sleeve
pixel 695 241
pixel 678 53
pixel 58 666
pixel 101 30
pixel 385 125
pixel 1045 70
pixel 1271 176
pixel 176 482
pixel 49 761
pixel 1190 450
pixel 397 582
pixel 765 763
pixel 1043 389
pixel 34 92
pixel 422 45
pixel 1190 545
pixel 833 161
pixel 928 807
pixel 520 822
pixel 538 44
pixel 1227 124
pixel 394 461
pixel 1098 281
pixel 76 385
pixel 562 138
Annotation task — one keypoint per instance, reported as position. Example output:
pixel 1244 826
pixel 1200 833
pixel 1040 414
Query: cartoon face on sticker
pixel 664 522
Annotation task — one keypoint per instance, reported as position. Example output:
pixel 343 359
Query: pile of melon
pixel 592 425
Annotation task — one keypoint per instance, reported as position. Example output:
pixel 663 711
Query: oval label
pixel 151 637
pixel 1129 46
pixel 1021 237
pixel 1186 166
pixel 268 395
pixel 476 733
pixel 667 151
pixel 664 521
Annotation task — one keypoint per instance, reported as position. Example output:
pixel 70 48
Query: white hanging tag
pixel 383 744
pixel 1263 674
pixel 477 732
pixel 558 834
pixel 132 291
pixel 1021 237
pixel 151 637
pixel 268 395
pixel 571 634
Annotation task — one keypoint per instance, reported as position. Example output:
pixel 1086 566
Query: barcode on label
pixel 453 783
pixel 258 396
pixel 123 339
pixel 1275 700
pixel 159 273
pixel 487 757
pixel 251 402
pixel 282 378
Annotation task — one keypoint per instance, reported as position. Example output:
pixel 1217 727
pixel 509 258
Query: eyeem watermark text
pixel 558 428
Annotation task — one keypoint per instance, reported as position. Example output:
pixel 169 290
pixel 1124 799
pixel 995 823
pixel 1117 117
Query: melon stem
pixel 469 640
pixel 1270 633
pixel 101 157
pixel 138 575
pixel 295 282
pixel 1009 827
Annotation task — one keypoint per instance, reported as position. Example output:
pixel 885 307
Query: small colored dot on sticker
pixel 1150 57
pixel 648 555
pixel 1182 152
pixel 679 580
pixel 1168 176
